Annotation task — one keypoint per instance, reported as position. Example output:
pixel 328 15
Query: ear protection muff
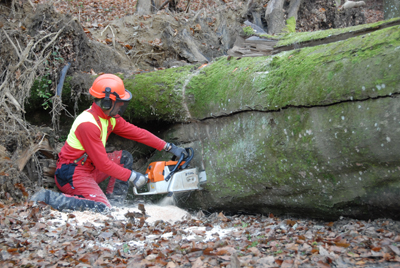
pixel 106 102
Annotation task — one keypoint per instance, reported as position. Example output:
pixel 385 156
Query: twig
pixel 30 2
pixel 40 40
pixel 24 55
pixel 54 38
pixel 187 7
pixel 11 114
pixel 113 40
pixel 198 13
pixel 163 5
pixel 13 100
pixel 9 39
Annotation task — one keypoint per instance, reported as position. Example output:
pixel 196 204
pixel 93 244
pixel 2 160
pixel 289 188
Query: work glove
pixel 175 150
pixel 137 179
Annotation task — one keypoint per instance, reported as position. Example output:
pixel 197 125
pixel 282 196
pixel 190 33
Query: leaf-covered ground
pixel 34 235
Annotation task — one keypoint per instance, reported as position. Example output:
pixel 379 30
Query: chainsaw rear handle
pixel 189 158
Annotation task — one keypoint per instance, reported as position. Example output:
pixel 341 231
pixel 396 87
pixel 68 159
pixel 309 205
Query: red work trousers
pixel 83 180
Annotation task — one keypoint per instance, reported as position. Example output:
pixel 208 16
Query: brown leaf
pixel 160 261
pixel 290 223
pixel 141 222
pixel 222 252
pixel 208 251
pixel 302 237
pixel 141 208
pixel 323 264
pixel 343 245
pixel 22 188
pixel 195 249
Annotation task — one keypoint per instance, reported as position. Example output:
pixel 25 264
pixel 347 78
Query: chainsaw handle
pixel 190 152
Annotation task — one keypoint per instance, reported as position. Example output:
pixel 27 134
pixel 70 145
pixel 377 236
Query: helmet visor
pixel 120 105
pixel 123 106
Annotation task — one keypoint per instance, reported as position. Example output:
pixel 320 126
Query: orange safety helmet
pixel 116 88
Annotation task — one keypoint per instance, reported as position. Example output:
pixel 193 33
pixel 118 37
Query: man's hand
pixel 137 179
pixel 177 151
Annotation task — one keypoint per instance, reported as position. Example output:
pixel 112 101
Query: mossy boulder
pixel 325 162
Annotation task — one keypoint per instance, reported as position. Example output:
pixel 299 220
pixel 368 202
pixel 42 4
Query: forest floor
pixel 166 236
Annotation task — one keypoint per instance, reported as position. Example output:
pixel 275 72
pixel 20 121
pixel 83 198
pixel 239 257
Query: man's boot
pixel 61 201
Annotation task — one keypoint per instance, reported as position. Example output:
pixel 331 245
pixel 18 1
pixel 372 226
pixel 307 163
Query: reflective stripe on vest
pixel 101 123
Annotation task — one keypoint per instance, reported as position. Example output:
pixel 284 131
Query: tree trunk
pixel 391 9
pixel 294 8
pixel 144 7
pixel 274 16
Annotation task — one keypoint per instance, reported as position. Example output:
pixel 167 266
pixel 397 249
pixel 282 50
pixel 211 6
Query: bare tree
pixel 145 7
pixel 275 16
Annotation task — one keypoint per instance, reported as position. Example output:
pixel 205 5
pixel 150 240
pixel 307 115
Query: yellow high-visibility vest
pixel 106 126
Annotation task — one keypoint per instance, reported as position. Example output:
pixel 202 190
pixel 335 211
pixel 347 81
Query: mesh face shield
pixel 120 106
pixel 123 107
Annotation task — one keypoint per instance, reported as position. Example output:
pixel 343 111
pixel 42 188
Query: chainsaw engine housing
pixel 166 177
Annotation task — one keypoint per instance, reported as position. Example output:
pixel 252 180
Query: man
pixel 83 162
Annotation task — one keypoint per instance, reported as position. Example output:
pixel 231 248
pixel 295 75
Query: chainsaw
pixel 168 177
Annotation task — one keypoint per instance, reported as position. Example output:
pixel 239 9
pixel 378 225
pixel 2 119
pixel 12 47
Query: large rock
pixel 323 161
pixel 310 132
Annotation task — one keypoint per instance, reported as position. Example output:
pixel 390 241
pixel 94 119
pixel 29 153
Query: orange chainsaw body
pixel 155 171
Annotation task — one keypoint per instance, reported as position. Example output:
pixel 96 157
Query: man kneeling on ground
pixel 83 162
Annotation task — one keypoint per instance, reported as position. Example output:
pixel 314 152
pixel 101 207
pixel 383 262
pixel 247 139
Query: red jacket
pixel 89 136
